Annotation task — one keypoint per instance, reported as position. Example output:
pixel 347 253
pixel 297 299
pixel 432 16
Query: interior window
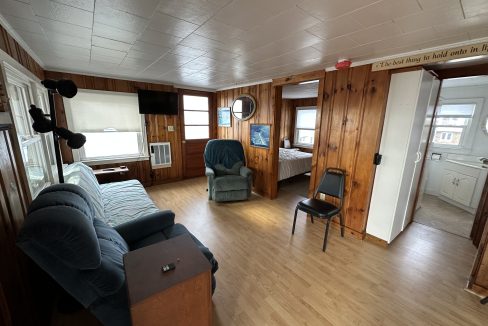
pixel 452 123
pixel 111 123
pixel 196 117
pixel 305 126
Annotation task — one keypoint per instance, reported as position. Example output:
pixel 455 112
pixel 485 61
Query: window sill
pixel 115 160
pixel 303 146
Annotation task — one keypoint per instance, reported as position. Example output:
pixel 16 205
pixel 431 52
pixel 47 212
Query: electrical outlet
pixel 171 128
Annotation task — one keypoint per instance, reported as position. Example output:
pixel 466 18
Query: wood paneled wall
pixel 260 160
pixel 9 45
pixel 350 126
pixel 156 126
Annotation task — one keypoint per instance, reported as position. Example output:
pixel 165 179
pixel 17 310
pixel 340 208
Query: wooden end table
pixel 182 296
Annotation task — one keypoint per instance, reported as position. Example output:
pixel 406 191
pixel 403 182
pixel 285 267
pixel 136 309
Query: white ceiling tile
pixel 110 44
pixel 96 57
pixel 429 4
pixel 330 9
pixel 142 8
pixel 136 64
pixel 159 38
pixel 246 14
pixel 150 48
pixel 98 51
pixel 457 26
pixel 113 33
pixel 88 5
pixel 17 9
pixel 160 67
pixel 480 33
pixel 220 54
pixel 273 28
pixel 176 60
pixel 150 56
pixel 335 27
pixel 187 51
pixel 218 31
pixel 171 25
pixel 25 25
pixel 65 51
pixel 63 13
pixel 70 40
pixel 52 27
pixel 202 43
pixel 335 45
pixel 375 33
pixel 430 17
pixel 119 19
pixel 384 11
pixel 193 11
pixel 475 7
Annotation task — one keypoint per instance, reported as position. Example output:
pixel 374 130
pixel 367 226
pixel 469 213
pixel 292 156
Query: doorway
pixel 456 167
pixel 297 136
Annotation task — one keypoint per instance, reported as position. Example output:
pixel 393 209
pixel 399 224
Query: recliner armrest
pixel 209 172
pixel 142 227
pixel 245 171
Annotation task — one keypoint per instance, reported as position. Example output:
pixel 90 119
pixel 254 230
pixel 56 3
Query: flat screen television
pixel 155 102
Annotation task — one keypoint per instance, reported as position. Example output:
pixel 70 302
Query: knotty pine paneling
pixel 10 46
pixel 260 160
pixel 350 130
pixel 156 126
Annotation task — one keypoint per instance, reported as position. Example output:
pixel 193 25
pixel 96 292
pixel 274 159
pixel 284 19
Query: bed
pixel 293 162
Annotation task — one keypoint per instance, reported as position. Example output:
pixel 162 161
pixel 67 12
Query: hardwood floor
pixel 268 277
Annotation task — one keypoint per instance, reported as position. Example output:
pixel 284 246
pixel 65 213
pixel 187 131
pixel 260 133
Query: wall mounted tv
pixel 154 102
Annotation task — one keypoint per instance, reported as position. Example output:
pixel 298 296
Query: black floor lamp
pixel 65 88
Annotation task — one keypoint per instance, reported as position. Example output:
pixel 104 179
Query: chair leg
pixel 342 224
pixel 326 234
pixel 311 218
pixel 294 220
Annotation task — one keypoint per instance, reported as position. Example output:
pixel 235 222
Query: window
pixel 33 146
pixel 305 126
pixel 196 117
pixel 111 123
pixel 452 124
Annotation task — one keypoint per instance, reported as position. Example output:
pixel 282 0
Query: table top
pixel 143 266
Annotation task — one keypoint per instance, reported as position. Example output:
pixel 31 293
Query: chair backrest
pixel 223 151
pixel 332 183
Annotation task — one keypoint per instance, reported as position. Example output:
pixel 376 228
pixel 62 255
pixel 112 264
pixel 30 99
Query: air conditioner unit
pixel 160 155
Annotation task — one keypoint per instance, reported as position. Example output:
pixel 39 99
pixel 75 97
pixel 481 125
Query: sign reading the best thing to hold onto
pixel 434 56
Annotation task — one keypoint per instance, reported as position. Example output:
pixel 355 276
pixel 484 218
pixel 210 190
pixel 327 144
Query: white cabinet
pixel 458 187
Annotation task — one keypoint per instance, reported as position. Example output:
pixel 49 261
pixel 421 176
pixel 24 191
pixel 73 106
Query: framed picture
pixel 260 135
pixel 223 117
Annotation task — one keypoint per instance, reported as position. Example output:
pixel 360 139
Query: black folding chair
pixel 331 184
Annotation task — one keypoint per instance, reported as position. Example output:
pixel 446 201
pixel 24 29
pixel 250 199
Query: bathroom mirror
pixel 484 125
pixel 243 107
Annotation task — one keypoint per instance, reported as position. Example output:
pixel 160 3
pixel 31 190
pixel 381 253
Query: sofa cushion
pixel 230 182
pixel 82 175
pixel 125 201
pixel 221 170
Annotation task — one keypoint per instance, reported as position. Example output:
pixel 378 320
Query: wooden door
pixel 197 125
pixel 481 217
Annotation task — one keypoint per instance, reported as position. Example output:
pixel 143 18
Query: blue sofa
pixel 78 233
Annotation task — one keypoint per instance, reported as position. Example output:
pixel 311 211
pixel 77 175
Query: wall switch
pixel 171 128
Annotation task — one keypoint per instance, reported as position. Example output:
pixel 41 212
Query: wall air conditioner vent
pixel 160 155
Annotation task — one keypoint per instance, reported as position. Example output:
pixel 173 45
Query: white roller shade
pixel 96 111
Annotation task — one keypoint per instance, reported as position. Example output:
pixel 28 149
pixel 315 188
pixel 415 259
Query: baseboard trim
pixel 376 240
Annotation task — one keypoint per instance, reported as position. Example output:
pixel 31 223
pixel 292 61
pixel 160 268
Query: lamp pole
pixel 52 113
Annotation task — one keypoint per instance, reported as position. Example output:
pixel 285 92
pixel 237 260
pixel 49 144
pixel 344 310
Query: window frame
pixel 32 89
pixel 209 112
pixel 467 136
pixel 296 143
pixel 79 154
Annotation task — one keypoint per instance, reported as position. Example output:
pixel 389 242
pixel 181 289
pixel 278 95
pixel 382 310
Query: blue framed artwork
pixel 223 117
pixel 260 135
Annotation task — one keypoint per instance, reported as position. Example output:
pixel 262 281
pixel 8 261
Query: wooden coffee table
pixel 182 296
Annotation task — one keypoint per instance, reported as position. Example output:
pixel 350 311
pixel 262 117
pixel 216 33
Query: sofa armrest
pixel 140 228
pixel 209 172
pixel 245 171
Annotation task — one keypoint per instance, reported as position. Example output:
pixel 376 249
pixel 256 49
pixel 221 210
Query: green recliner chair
pixel 228 177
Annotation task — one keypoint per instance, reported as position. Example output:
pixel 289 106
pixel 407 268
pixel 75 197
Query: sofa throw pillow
pixel 221 170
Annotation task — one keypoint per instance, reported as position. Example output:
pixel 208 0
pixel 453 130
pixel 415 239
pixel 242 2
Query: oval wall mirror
pixel 243 107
